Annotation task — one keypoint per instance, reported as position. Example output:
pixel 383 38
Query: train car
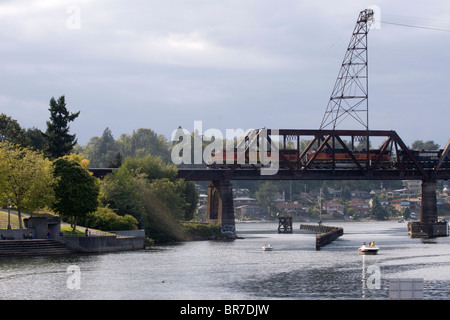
pixel 342 160
pixel 428 159
pixel 227 158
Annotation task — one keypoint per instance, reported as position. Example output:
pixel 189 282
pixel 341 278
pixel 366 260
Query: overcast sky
pixel 230 63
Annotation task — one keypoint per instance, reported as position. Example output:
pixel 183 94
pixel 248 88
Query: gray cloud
pixel 231 64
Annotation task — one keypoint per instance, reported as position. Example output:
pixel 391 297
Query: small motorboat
pixel 368 249
pixel 267 247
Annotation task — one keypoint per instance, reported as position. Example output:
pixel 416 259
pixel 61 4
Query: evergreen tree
pixel 59 141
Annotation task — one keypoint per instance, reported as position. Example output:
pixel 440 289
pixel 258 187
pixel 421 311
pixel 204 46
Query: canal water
pixel 240 269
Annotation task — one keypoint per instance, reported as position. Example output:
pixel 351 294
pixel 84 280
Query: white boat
pixel 267 247
pixel 368 249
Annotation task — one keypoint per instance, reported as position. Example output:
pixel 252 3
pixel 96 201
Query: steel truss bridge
pixel 403 162
pixel 326 154
pixel 393 160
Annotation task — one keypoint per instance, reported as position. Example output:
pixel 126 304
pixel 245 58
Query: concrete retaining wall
pixel 16 234
pixel 98 244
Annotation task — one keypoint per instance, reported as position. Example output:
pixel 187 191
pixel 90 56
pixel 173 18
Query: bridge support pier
pixel 220 207
pixel 428 209
pixel 428 226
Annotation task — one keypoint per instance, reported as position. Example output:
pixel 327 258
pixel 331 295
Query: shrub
pixel 106 219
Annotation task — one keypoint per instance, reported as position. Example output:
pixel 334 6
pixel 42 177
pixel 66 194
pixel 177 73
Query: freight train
pixel 428 159
pixel 325 159
pixel 342 160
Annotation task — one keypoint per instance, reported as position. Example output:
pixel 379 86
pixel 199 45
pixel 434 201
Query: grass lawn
pixel 4 220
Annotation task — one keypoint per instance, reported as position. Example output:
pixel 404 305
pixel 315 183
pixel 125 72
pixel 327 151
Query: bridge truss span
pixel 307 154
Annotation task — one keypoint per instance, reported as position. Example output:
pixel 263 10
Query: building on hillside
pixel 293 209
pixel 400 204
pixel 358 194
pixel 413 186
pixel 334 207
pixel 247 208
pixel 359 206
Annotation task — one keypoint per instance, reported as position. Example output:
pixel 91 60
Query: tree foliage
pixel 377 209
pixel 76 191
pixel 107 220
pixel 104 150
pixel 25 179
pixel 11 131
pixel 428 145
pixel 58 140
pixel 147 188
pixel 266 196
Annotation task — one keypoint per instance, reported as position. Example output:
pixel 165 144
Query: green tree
pixel 191 197
pixel 121 192
pixel 76 191
pixel 144 142
pixel 152 167
pixel 377 209
pixel 58 140
pixel 266 196
pixel 116 162
pixel 428 145
pixel 35 139
pixel 25 179
pixel 163 210
pixel 107 220
pixel 148 189
pixel 11 131
pixel 101 150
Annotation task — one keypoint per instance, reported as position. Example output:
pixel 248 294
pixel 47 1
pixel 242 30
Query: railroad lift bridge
pixel 328 153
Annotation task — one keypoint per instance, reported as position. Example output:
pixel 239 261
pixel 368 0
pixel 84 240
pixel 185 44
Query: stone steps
pixel 32 247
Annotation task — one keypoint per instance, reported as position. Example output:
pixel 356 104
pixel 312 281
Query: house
pixel 400 204
pixel 359 206
pixel 246 207
pixel 414 203
pixel 334 193
pixel 383 202
pixel 360 194
pixel 292 208
pixel 333 207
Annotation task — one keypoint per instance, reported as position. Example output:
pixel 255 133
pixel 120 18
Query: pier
pixel 324 234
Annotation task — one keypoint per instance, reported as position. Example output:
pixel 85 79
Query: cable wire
pixel 415 26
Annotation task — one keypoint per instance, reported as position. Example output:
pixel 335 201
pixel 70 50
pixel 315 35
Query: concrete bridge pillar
pixel 428 226
pixel 220 207
pixel 428 210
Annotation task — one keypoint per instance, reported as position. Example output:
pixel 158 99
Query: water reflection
pixel 241 270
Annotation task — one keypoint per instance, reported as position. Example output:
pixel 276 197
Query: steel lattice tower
pixel 350 93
